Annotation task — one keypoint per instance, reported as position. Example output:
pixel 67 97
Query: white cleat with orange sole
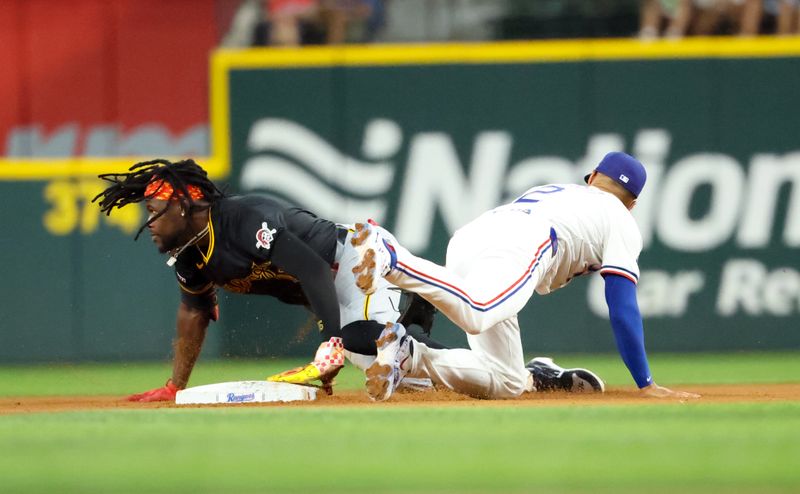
pixel 386 373
pixel 376 255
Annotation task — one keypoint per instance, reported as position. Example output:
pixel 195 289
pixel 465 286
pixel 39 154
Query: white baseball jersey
pixel 595 232
pixel 541 241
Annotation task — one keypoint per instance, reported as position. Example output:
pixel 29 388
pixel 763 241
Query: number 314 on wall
pixel 71 208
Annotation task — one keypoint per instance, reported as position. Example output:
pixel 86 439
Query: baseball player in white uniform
pixel 540 241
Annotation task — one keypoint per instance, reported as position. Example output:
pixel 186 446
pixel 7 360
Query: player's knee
pixel 359 336
pixel 478 324
pixel 511 387
pixel 471 330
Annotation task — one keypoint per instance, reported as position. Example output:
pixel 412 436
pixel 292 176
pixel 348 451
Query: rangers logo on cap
pixel 264 236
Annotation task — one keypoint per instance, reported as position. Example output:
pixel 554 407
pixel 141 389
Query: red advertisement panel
pixel 105 77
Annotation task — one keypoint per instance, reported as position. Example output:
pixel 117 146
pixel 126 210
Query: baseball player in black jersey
pixel 254 245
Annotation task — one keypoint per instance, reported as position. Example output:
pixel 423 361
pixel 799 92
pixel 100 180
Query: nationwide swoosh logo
pixel 301 166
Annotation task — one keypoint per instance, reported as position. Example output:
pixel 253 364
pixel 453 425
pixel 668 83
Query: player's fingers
pixel 159 394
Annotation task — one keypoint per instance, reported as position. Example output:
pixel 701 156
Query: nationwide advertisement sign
pixel 422 139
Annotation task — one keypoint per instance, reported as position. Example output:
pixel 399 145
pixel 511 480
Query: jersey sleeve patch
pixel 258 231
pixel 264 236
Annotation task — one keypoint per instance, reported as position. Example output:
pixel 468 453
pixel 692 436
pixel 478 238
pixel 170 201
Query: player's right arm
pixel 192 326
pixel 198 307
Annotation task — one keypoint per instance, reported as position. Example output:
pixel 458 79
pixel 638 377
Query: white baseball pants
pixel 493 266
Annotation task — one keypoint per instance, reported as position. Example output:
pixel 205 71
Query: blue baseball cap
pixel 623 168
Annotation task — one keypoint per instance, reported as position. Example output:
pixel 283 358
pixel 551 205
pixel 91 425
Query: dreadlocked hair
pixel 127 188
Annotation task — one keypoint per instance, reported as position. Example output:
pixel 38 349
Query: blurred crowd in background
pixel 122 110
pixel 679 18
pixel 310 22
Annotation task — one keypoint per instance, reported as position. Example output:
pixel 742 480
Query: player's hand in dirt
pixel 656 391
pixel 166 392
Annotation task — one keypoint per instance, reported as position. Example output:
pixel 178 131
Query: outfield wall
pixel 423 138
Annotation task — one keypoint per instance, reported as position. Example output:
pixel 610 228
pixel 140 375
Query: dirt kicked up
pixel 728 393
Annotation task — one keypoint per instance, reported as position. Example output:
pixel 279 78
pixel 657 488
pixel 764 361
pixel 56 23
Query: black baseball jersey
pixel 256 245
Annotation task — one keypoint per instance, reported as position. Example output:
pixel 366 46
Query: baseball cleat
pixel 386 372
pixel 547 376
pixel 376 255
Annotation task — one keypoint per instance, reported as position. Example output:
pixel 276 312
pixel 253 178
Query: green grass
pixel 692 447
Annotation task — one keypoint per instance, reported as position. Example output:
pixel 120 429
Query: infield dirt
pixel 729 393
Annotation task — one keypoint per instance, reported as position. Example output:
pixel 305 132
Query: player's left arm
pixel 314 274
pixel 626 321
pixel 621 273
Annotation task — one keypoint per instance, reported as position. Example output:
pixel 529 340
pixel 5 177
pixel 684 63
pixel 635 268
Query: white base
pixel 245 392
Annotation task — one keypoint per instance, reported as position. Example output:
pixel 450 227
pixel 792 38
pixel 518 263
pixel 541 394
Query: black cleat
pixel 418 311
pixel 547 376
